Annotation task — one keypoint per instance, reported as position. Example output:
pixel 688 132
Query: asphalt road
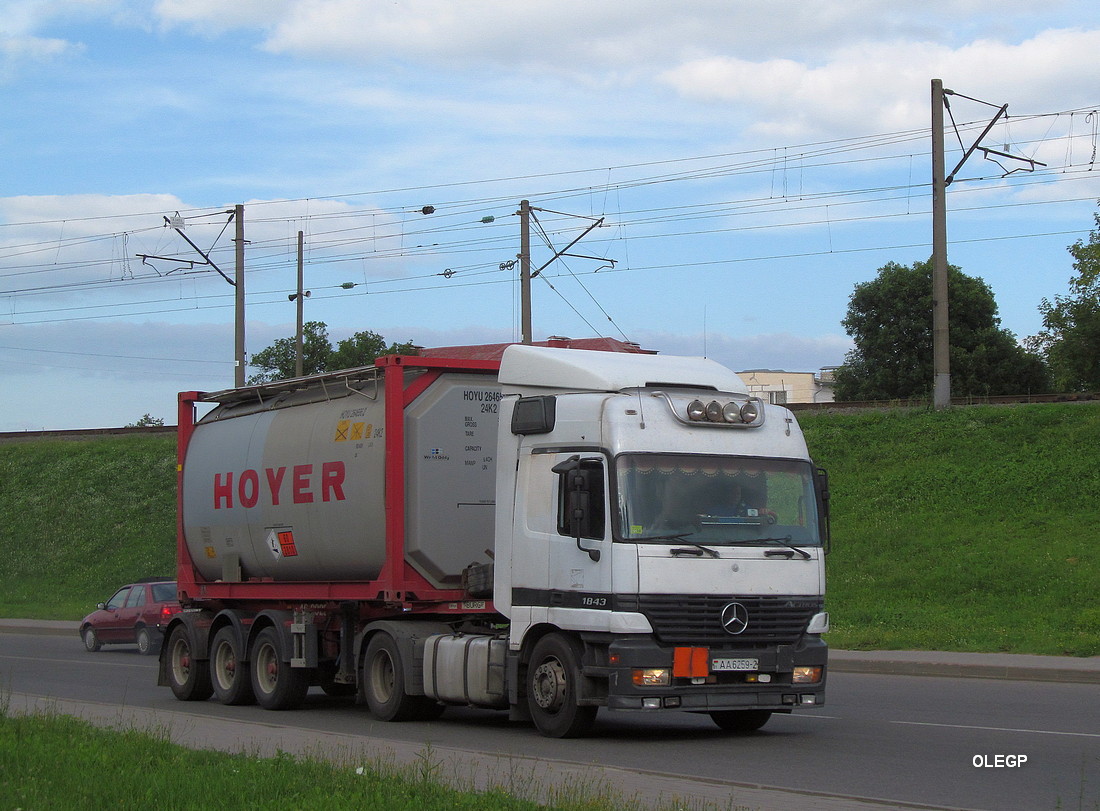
pixel 880 739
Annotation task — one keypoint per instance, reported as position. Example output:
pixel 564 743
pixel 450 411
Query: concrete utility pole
pixel 525 270
pixel 941 341
pixel 239 356
pixel 299 297
pixel 526 274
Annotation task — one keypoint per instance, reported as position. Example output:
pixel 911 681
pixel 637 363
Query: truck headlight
pixel 807 675
pixel 652 677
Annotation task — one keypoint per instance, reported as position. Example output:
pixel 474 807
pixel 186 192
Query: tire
pixel 188 678
pixel 384 685
pixel 742 721
pixel 275 684
pixel 553 675
pixel 146 643
pixel 91 639
pixel 229 673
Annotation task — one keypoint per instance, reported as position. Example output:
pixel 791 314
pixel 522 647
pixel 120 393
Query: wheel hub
pixel 548 685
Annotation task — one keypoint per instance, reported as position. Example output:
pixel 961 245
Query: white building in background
pixel 782 387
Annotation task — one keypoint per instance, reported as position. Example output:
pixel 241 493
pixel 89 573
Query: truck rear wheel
pixel 276 685
pixel 740 720
pixel 189 679
pixel 229 674
pixel 384 684
pixel 553 677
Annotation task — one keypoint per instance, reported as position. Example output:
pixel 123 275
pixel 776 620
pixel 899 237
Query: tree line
pixel 890 322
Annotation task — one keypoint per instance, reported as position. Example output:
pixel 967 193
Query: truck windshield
pixel 715 500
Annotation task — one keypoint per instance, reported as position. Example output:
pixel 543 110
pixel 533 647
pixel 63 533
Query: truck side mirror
pixel 580 505
pixel 821 485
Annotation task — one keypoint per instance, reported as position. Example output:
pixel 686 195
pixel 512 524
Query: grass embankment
pixel 970 529
pixel 78 518
pixel 52 761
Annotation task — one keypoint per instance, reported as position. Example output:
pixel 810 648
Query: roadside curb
pixel 48 627
pixel 1009 666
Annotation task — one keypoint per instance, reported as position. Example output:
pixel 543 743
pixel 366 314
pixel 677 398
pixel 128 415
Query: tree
pixel 890 320
pixel 1070 340
pixel 277 362
pixel 362 348
pixel 148 421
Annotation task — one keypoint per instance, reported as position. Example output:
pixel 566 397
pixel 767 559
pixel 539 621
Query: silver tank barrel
pixel 293 487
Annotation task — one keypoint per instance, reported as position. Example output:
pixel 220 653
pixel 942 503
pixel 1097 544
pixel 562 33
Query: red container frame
pixel 398 587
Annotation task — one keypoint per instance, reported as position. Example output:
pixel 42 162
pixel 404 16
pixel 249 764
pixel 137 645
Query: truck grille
pixel 697 619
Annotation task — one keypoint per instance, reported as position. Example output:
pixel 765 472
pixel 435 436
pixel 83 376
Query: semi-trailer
pixel 549 534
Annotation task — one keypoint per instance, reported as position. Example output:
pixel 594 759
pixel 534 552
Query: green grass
pixel 970 529
pixel 80 518
pixel 51 761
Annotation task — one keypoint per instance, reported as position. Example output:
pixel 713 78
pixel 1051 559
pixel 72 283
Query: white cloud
pixel 18 53
pixel 212 17
pixel 885 85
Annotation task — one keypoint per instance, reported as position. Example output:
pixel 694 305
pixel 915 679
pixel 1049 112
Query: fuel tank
pixel 291 486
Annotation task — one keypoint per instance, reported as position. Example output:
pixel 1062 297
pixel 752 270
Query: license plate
pixel 734 664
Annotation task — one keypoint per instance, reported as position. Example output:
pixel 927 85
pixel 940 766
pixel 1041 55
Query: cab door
pixel 580 547
pixel 556 576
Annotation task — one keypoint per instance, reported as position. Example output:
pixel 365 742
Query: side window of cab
pixel 581 512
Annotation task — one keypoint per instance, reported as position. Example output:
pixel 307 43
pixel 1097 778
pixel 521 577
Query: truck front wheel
pixel 189 679
pixel 276 685
pixel 384 684
pixel 553 676
pixel 740 720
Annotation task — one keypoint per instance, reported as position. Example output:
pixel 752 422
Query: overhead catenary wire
pixel 402 233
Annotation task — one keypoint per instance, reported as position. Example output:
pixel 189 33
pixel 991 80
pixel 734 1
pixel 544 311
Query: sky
pixel 740 166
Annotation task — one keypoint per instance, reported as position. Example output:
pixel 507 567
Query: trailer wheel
pixel 740 720
pixel 552 679
pixel 91 641
pixel 384 684
pixel 276 685
pixel 189 680
pixel 229 674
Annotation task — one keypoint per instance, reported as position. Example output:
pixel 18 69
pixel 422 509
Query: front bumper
pixel 770 687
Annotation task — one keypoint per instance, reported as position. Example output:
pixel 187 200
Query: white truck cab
pixel 665 531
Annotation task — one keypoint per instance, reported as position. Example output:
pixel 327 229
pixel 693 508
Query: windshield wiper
pixel 784 541
pixel 681 536
pixel 698 550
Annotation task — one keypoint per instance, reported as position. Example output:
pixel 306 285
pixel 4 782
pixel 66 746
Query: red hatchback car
pixel 136 614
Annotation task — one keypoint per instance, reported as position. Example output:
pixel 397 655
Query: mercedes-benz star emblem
pixel 735 618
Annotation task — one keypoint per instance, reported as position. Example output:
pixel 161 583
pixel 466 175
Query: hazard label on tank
pixel 281 543
pixel 346 431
